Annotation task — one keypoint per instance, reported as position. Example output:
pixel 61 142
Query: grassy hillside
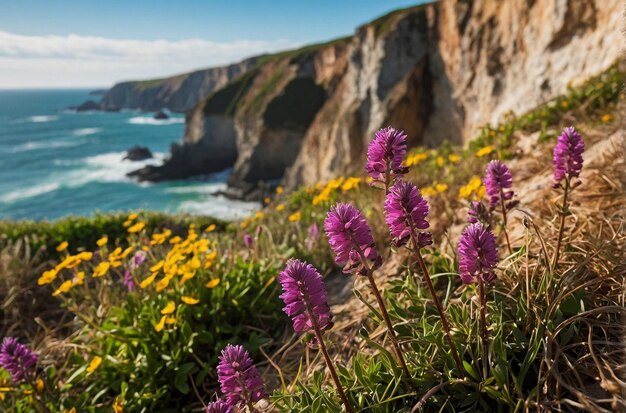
pixel 135 321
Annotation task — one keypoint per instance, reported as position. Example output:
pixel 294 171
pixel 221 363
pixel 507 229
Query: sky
pixel 93 43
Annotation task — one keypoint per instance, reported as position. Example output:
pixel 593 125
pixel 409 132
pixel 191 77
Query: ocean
pixel 56 162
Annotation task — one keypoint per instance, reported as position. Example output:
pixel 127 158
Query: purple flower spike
pixel 386 153
pixel 248 240
pixel 350 238
pixel 497 180
pixel 218 406
pixel 406 212
pixel 239 379
pixel 138 259
pixel 568 155
pixel 17 359
pixel 128 280
pixel 478 212
pixel 477 254
pixel 304 296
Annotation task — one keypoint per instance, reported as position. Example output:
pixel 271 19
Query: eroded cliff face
pixel 177 93
pixel 438 71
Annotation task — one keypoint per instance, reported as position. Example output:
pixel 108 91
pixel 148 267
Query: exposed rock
pixel 439 71
pixel 138 153
pixel 88 106
pixel 98 92
pixel 161 115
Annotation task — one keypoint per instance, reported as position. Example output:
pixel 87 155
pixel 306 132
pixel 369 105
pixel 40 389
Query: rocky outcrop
pixel 138 153
pixel 177 93
pixel 438 71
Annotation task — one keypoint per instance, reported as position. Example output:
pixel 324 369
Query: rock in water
pixel 138 153
pixel 161 115
pixel 89 105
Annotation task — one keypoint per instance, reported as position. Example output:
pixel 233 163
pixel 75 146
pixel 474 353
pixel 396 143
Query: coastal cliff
pixel 438 71
pixel 177 93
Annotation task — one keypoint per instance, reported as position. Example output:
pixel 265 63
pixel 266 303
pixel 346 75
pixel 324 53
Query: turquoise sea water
pixel 55 162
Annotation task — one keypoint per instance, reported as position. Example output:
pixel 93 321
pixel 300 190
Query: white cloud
pixel 74 61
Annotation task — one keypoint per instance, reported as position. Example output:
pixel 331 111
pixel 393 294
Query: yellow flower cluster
pixel 473 190
pixel 415 159
pixel 484 151
pixel 325 191
pixel 70 262
pixel 430 191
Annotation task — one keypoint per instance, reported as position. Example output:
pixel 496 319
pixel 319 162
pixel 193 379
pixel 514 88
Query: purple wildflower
pixel 497 180
pixel 350 238
pixel 218 406
pixel 568 155
pixel 477 254
pixel 248 240
pixel 304 296
pixel 478 212
pixel 239 379
pixel 128 280
pixel 405 212
pixel 138 259
pixel 17 359
pixel 385 154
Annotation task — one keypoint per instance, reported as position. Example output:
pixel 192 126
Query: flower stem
pixel 506 234
pixel 329 363
pixel 392 333
pixel 562 225
pixel 483 326
pixel 442 315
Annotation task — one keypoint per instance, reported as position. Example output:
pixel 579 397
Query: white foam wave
pixel 42 118
pixel 28 192
pixel 108 167
pixel 32 146
pixel 149 120
pixel 86 131
pixel 219 207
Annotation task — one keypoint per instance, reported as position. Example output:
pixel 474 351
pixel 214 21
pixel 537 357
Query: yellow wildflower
pixel 606 118
pixel 72 410
pixel 441 187
pixel 210 228
pixel 149 280
pixel 85 255
pixel 564 104
pixel 213 283
pixel 62 246
pixel 118 406
pixel 413 160
pixel 454 158
pixel 189 300
pixel 279 190
pixel 280 207
pixel 259 215
pixel 101 269
pixel 440 161
pixel 94 364
pixel 428 191
pixel 161 324
pixel 127 251
pixel 157 266
pixel 266 200
pixel 169 308
pixel 137 227
pixel 244 223
pixel 163 283
pixel 295 216
pixel 39 384
pixel 170 320
pixel 63 288
pixel 133 216
pixel 127 223
pixel 102 241
pixel 47 277
pixel 175 240
pixel 70 261
pixel 484 151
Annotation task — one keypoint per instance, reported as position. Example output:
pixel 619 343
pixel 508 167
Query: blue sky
pixel 69 43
